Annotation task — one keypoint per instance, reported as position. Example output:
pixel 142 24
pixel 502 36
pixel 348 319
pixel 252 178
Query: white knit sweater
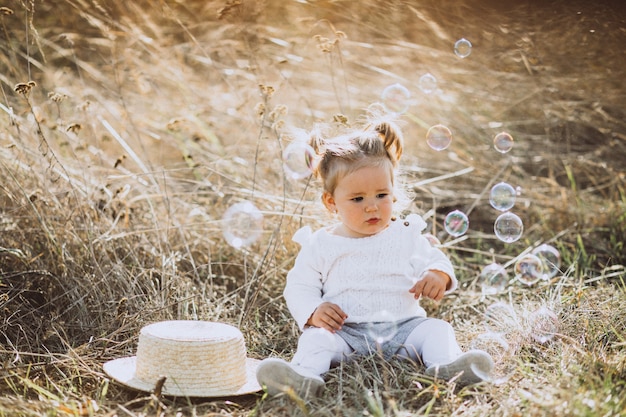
pixel 369 277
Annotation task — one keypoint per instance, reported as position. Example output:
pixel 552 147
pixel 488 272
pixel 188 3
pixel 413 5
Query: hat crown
pixel 194 356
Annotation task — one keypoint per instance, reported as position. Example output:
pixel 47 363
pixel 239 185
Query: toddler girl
pixel 355 286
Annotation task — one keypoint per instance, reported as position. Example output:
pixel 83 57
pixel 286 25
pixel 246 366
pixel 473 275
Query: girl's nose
pixel 371 207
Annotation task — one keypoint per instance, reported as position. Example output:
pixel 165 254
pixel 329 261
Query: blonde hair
pixel 379 143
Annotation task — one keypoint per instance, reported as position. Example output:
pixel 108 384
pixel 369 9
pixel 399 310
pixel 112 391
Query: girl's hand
pixel 432 285
pixel 328 316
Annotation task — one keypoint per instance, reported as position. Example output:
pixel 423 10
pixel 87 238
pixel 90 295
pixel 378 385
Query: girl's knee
pixel 320 338
pixel 317 334
pixel 431 334
pixel 318 349
pixel 438 325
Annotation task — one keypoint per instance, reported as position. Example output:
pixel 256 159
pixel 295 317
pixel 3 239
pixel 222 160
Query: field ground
pixel 127 130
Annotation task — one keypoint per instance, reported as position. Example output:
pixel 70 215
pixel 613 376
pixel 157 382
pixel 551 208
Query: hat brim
pixel 123 371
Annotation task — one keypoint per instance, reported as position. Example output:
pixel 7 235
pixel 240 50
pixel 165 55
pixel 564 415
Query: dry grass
pixel 145 121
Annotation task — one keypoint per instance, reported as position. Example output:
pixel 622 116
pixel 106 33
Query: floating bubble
pixel 462 48
pixel 551 259
pixel 374 109
pixel 508 227
pixel 503 142
pixel 396 98
pixel 544 324
pixel 242 224
pixel 456 223
pixel 501 352
pixel 383 327
pixel 428 83
pixel 493 279
pixel 500 317
pixel 432 239
pixel 528 269
pixel 439 137
pixel 298 160
pixel 502 196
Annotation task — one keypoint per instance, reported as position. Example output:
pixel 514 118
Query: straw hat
pixel 197 358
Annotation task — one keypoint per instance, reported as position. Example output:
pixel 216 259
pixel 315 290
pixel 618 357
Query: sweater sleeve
pixel 434 259
pixel 303 290
pixel 427 257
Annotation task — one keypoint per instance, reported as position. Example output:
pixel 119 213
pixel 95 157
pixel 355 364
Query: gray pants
pixel 427 340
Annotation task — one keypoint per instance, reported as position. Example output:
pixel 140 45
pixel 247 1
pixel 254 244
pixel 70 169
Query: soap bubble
pixel 503 142
pixel 493 279
pixel 456 223
pixel 544 324
pixel 396 98
pixel 528 269
pixel 432 239
pixel 508 227
pixel 428 83
pixel 501 352
pixel 242 224
pixel 500 317
pixel 439 137
pixel 551 259
pixel 383 327
pixel 502 196
pixel 298 160
pixel 462 48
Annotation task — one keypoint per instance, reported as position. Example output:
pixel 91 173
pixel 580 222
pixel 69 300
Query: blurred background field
pixel 127 130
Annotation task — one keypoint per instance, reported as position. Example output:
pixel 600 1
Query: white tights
pixel 432 342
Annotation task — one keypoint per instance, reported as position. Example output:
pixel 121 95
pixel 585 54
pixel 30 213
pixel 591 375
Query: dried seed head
pixel 278 111
pixel 281 109
pixel 175 124
pixel 84 106
pixel 279 125
pixel 24 88
pixel 68 38
pixel 5 11
pixel 118 161
pixel 74 127
pixel 326 44
pixel 266 90
pixel 259 109
pixel 340 118
pixel 57 97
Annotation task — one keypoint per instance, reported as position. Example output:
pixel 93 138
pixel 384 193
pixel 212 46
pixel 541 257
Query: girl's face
pixel 364 201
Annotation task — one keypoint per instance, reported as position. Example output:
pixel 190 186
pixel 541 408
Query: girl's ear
pixel 329 202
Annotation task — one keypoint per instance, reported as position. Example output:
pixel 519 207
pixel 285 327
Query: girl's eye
pixel 357 199
pixel 382 195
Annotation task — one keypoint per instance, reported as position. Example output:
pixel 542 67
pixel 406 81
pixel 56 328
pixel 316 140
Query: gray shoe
pixel 278 376
pixel 471 367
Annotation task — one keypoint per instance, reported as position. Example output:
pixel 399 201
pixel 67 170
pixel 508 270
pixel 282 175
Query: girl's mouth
pixel 373 221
